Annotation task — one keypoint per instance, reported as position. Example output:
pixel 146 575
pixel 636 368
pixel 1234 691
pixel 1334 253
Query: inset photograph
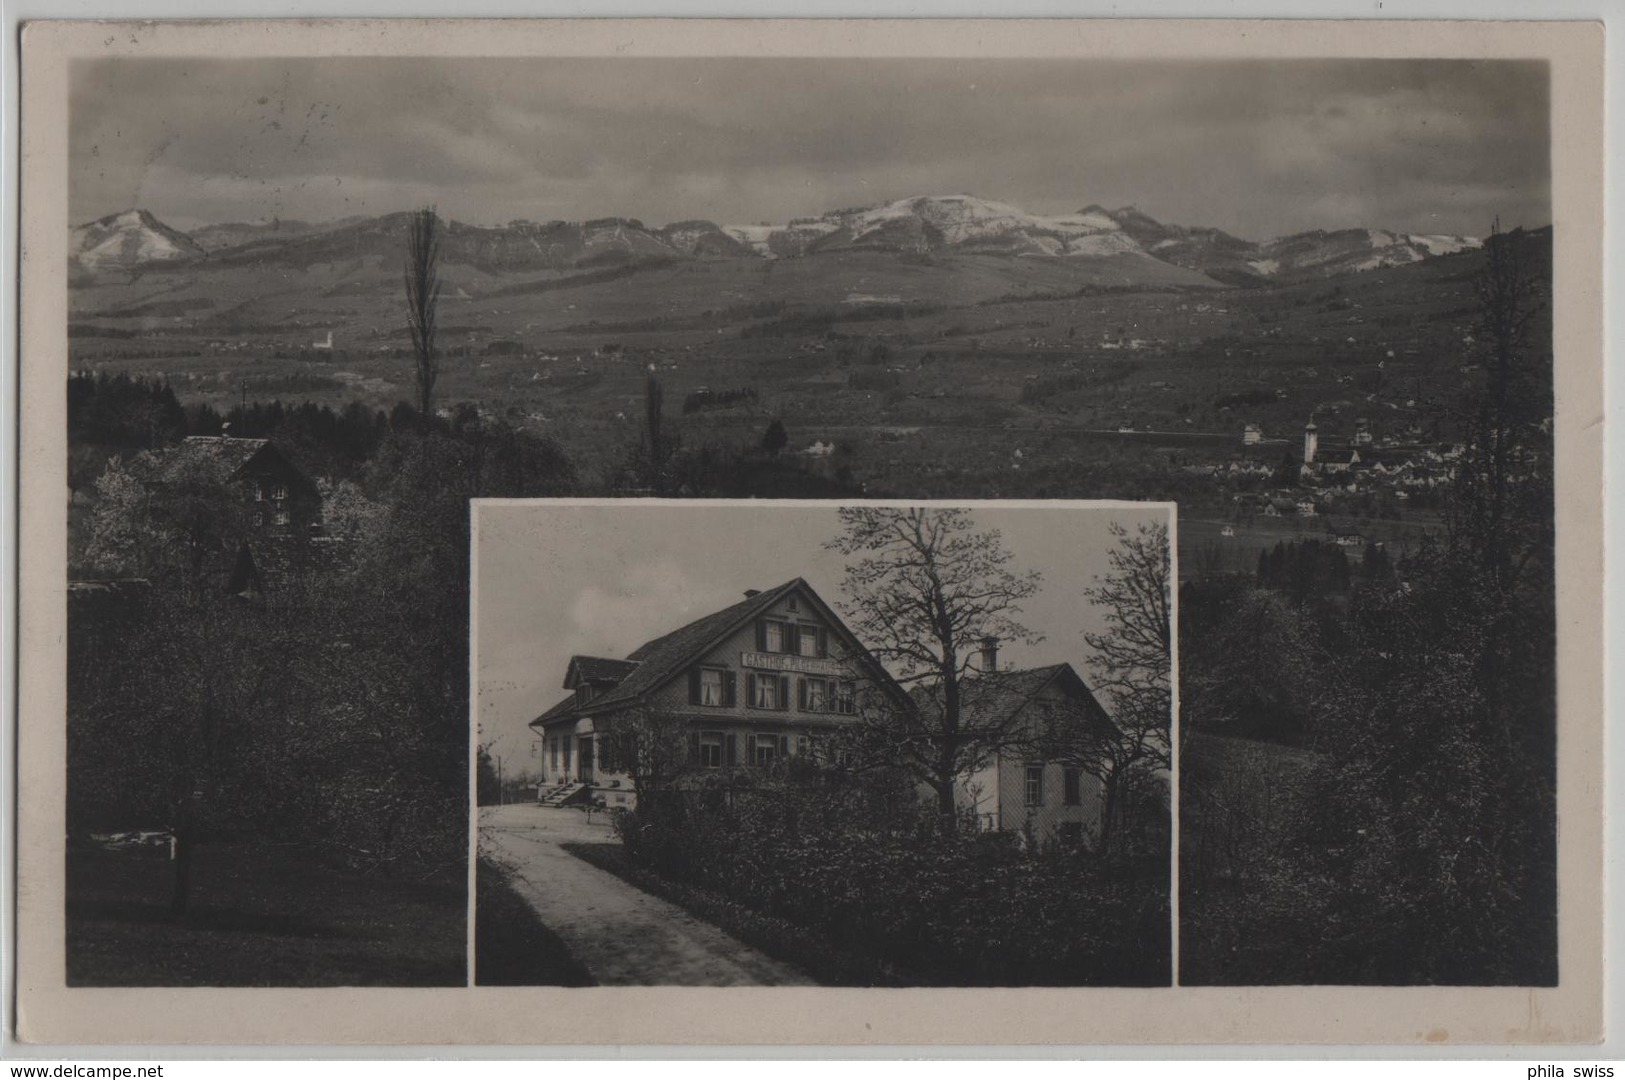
pixel 771 743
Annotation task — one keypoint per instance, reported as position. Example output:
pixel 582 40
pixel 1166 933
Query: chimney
pixel 990 654
pixel 752 592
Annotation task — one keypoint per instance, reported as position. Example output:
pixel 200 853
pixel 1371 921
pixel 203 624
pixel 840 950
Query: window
pixel 553 753
pixel 282 517
pixel 803 745
pixel 767 693
pixel 259 492
pixel 773 637
pixel 710 686
pixel 764 749
pixel 846 699
pixel 1035 785
pixel 1071 788
pixel 815 695
pixel 259 518
pixel 711 750
pixel 808 640
pixel 279 492
pixel 791 604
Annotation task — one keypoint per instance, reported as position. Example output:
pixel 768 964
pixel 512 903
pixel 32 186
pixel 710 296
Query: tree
pixel 652 463
pixel 1501 504
pixel 775 438
pixel 191 727
pixel 925 593
pixel 649 745
pixel 1133 666
pixel 184 530
pixel 422 298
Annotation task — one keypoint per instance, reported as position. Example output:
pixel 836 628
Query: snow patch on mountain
pixel 128 240
pixel 1440 244
pixel 943 223
pixel 755 237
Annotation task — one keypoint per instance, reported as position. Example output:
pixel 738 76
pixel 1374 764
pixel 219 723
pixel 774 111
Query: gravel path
pixel 622 935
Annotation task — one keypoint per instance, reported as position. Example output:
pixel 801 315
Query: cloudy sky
pixel 1257 148
pixel 554 580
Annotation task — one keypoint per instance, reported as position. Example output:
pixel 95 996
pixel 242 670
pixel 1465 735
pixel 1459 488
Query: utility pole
pixel 501 794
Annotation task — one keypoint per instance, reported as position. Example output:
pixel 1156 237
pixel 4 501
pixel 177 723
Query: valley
pixel 918 368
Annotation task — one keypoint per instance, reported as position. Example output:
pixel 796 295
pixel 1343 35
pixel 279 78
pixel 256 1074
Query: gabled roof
pixel 226 457
pixel 1004 693
pixel 565 708
pixel 665 656
pixel 657 662
pixel 596 669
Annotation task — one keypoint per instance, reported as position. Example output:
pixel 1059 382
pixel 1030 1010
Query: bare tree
pixel 652 746
pixel 422 298
pixel 1132 666
pixel 925 594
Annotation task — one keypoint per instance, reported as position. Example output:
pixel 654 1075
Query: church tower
pixel 1311 442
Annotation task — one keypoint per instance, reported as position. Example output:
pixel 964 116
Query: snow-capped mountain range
pixel 936 226
pixel 944 222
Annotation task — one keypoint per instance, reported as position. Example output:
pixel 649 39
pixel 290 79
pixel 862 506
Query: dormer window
pixel 279 492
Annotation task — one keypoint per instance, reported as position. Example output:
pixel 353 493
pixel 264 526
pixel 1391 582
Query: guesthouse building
pixel 768 678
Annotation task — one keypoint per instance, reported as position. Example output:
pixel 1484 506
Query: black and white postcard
pixel 791 744
pixel 810 531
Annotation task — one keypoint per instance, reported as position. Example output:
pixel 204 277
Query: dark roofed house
pixel 1019 790
pixel 280 522
pixel 761 680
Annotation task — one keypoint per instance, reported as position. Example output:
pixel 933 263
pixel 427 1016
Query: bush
pixel 862 864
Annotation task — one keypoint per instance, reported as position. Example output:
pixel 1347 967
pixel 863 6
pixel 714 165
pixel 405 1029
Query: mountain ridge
pixel 927 226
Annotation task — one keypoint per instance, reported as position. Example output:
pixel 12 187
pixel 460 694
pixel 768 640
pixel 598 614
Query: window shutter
pixel 784 692
pixel 784 746
pixel 733 749
pixel 792 638
pixel 693 686
pixel 750 689
pixel 801 694
pixel 761 635
pixel 730 688
pixel 823 642
pixel 694 747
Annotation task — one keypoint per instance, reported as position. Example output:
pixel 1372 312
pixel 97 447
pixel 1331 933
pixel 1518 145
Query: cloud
pixel 1255 147
pixel 616 617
